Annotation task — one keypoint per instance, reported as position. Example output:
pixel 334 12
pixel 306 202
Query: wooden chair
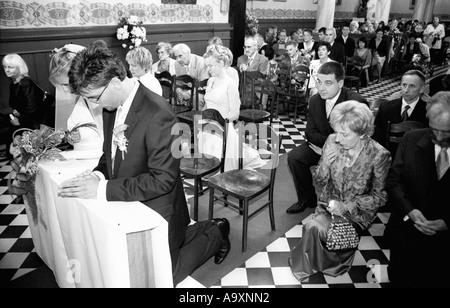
pixel 184 83
pixel 395 132
pixel 200 89
pixel 293 89
pixel 251 104
pixel 200 165
pixel 263 89
pixel 166 81
pixel 351 81
pixel 244 184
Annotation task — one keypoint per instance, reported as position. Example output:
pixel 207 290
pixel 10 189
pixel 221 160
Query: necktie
pixel 405 113
pixel 250 60
pixel 442 163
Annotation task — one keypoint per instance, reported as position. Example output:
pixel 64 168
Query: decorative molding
pixel 296 14
pixel 14 14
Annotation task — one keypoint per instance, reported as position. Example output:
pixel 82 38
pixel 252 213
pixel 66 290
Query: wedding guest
pixel 409 107
pixel 137 163
pixel 140 61
pixel 87 141
pixel 24 98
pixel 322 34
pixel 308 47
pixel 323 50
pixel 294 57
pixel 165 62
pixel 380 50
pixel 361 60
pixel 190 64
pixel 346 41
pixel 351 173
pixel 251 60
pixel 337 49
pixel 331 92
pixel 354 27
pixel 417 187
pixel 434 34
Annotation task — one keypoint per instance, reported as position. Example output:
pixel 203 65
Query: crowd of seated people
pixel 343 129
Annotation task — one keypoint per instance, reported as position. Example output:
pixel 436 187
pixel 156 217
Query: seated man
pixel 330 82
pixel 413 85
pixel 188 64
pixel 417 186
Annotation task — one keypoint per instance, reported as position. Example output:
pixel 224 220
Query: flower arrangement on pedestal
pixel 251 23
pixel 131 31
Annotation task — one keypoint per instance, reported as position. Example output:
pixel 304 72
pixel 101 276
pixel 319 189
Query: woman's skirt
pixel 311 256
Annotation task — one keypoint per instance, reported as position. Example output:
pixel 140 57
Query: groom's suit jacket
pixel 149 173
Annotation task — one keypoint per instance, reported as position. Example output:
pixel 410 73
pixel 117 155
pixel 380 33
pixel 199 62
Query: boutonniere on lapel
pixel 119 138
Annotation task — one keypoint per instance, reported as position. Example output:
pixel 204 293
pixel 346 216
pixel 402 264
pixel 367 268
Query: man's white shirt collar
pixel 411 106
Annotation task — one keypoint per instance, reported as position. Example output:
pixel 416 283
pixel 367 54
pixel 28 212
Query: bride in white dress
pixel 87 140
pixel 222 96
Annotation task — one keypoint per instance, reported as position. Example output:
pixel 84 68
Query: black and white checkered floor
pixel 267 268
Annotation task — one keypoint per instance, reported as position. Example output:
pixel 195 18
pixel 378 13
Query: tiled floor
pixel 268 268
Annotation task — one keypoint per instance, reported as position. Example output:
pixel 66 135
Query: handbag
pixel 341 235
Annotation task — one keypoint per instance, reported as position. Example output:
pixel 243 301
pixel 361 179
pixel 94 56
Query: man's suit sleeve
pixel 162 171
pixel 312 132
pixel 395 184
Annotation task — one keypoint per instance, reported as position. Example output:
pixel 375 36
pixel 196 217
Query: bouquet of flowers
pixel 251 23
pixel 131 31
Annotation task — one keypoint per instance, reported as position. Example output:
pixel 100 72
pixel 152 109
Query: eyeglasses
pixel 95 100
pixel 248 47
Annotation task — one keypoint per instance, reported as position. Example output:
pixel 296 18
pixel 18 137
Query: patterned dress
pixel 357 181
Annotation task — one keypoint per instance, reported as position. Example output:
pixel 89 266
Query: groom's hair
pixel 95 67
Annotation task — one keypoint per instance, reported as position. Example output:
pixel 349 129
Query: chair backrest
pixel 396 131
pixel 247 87
pixel 265 139
pixel 211 126
pixel 265 87
pixel 166 81
pixel 185 83
pixel 200 89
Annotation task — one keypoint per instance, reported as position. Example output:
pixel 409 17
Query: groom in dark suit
pixel 417 186
pixel 329 83
pixel 413 85
pixel 137 162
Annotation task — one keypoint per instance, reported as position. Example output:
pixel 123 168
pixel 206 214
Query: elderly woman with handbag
pixel 351 172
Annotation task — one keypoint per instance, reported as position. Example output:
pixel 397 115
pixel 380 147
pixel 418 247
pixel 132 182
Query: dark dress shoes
pixel 225 245
pixel 299 207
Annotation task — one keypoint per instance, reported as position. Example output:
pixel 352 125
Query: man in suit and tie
pixel 337 49
pixel 417 185
pixel 294 58
pixel 137 162
pixel 251 60
pixel 409 107
pixel 188 64
pixel 348 43
pixel 329 83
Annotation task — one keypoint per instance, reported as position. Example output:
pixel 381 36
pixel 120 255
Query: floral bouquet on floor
pixel 131 31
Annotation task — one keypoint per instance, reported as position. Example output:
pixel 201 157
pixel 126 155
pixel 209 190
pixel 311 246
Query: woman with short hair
pixel 351 173
pixel 165 62
pixel 140 62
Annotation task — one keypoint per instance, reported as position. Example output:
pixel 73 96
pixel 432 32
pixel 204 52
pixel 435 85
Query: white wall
pixel 442 7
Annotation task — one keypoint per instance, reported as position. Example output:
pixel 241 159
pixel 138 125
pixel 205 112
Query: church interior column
pixel 429 11
pixel 419 10
pixel 325 13
pixel 383 10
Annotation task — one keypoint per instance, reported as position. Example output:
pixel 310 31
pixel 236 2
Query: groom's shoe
pixel 299 207
pixel 225 245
